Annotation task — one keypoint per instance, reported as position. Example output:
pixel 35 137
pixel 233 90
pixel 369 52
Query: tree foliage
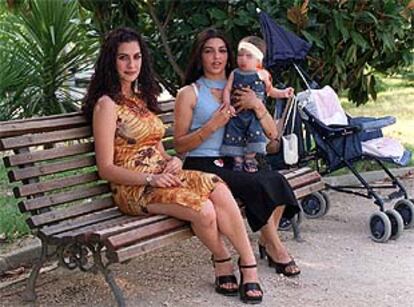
pixel 43 40
pixel 351 39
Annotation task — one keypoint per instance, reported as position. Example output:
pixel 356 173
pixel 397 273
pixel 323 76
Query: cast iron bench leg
pixel 119 297
pixel 29 294
pixel 296 230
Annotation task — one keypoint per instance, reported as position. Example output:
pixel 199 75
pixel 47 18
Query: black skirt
pixel 260 192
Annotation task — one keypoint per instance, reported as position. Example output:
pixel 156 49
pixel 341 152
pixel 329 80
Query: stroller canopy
pixel 282 45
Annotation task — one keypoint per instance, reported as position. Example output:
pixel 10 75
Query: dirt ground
pixel 341 266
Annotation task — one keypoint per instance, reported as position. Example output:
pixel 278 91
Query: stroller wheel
pixel 315 205
pixel 285 224
pixel 380 227
pixel 405 208
pixel 397 223
pixel 327 200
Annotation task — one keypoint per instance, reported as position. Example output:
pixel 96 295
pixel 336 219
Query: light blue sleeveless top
pixel 204 109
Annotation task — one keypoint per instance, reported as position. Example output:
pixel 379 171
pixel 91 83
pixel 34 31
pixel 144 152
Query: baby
pixel 244 136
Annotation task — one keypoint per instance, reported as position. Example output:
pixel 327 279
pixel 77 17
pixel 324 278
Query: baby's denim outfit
pixel 244 134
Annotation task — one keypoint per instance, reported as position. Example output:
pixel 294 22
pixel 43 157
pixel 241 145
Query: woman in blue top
pixel 200 118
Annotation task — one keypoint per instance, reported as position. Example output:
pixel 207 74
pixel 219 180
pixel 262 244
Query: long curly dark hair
pixel 105 80
pixel 194 68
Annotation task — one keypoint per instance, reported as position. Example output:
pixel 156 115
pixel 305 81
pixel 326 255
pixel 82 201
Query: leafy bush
pixel 42 42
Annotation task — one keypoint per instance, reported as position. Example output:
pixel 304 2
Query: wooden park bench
pixel 52 167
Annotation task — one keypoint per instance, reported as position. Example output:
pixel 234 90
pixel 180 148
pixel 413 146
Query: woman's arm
pixel 104 126
pixel 162 151
pixel 174 164
pixel 246 99
pixel 184 104
pixel 227 89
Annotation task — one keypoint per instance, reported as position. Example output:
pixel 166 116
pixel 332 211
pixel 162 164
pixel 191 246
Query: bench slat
pixel 82 221
pixel 151 244
pixel 45 138
pixel 51 168
pixel 48 154
pixel 132 222
pixel 142 233
pixel 169 132
pixel 83 234
pixel 70 212
pixel 61 198
pixel 54 184
pixel 298 182
pixel 103 234
pixel 167 106
pixel 167 118
pixel 306 190
pixel 41 124
pixel 290 174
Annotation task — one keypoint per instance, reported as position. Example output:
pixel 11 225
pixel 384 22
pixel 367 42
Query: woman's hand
pixel 245 99
pixel 173 166
pixel 221 117
pixel 165 180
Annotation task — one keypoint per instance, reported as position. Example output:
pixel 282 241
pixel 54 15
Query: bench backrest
pixel 51 162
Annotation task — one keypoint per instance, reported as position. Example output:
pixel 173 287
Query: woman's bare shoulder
pixel 105 106
pixel 186 95
pixel 105 102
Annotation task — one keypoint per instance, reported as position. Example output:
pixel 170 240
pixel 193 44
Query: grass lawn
pixel 12 222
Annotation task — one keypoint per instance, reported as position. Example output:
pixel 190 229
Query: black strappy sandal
pixel 250 286
pixel 281 268
pixel 224 279
pixel 251 165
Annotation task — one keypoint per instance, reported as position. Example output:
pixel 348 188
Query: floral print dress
pixel 137 134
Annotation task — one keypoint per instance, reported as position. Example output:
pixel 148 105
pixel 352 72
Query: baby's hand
pixel 232 111
pixel 288 92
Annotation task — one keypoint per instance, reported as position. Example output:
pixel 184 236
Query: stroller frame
pixel 350 189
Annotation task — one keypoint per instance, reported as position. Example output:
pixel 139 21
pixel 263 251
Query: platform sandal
pixel 250 286
pixel 281 268
pixel 224 279
pixel 250 165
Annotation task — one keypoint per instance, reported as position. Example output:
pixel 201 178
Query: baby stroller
pixel 283 49
pixel 339 141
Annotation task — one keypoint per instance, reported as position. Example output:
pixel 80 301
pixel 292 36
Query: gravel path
pixel 340 266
